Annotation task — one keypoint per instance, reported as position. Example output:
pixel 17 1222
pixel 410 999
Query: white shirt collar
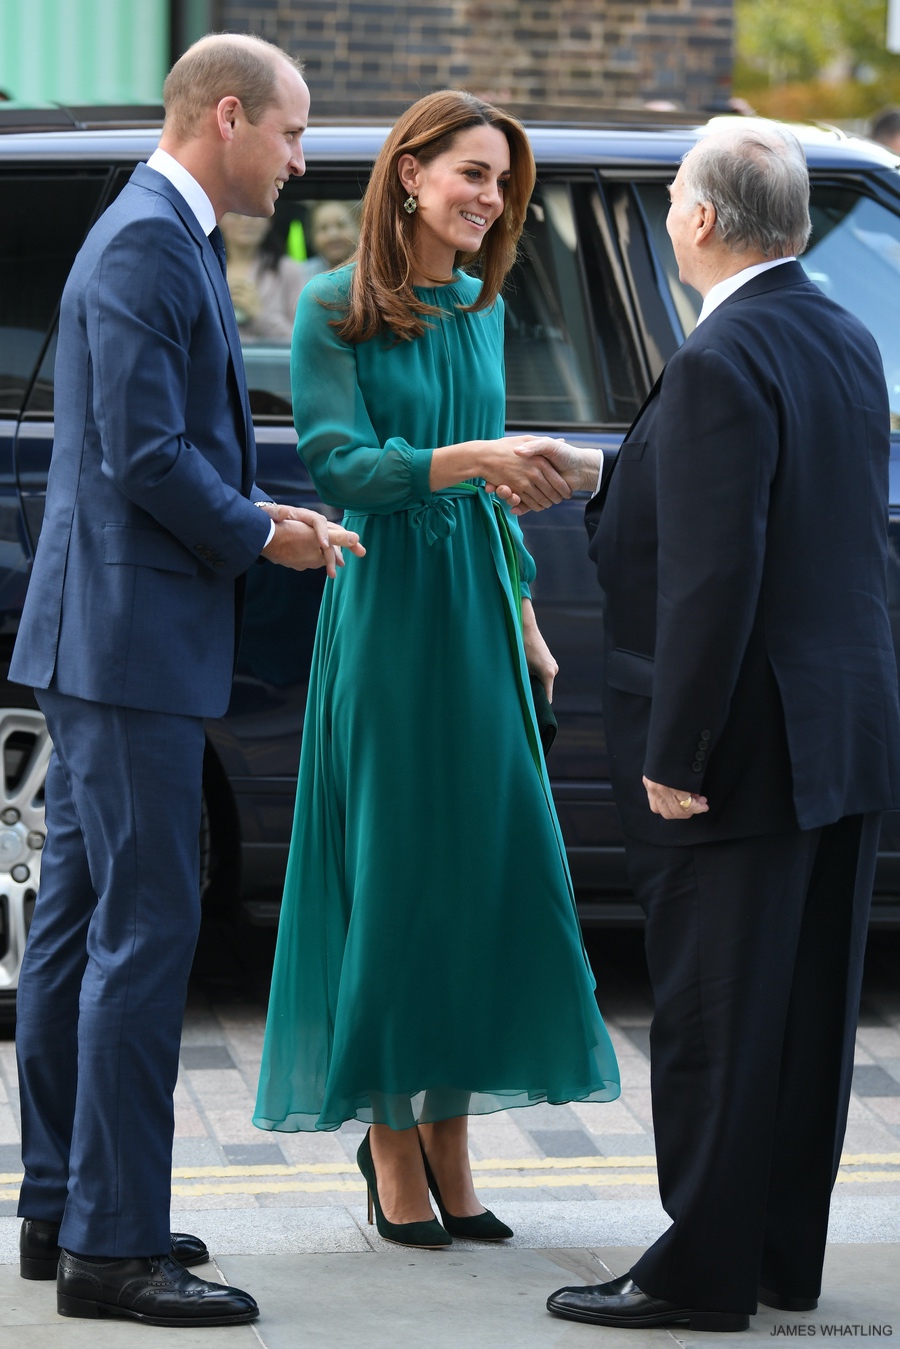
pixel 722 289
pixel 187 185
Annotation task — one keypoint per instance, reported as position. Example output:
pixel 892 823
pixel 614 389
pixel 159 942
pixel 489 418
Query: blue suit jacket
pixel 149 521
pixel 742 543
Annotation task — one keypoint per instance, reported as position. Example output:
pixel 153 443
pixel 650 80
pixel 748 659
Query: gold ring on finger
pixel 686 803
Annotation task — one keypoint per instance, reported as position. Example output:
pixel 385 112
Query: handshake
pixel 529 472
pixel 534 472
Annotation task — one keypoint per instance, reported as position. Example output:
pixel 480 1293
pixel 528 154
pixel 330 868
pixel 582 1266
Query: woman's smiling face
pixel 460 195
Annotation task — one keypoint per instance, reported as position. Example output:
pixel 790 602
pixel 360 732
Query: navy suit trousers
pixel 104 978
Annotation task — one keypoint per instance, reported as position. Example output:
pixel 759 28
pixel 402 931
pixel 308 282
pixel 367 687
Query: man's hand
pixel 529 477
pixel 578 466
pixel 304 539
pixel 672 804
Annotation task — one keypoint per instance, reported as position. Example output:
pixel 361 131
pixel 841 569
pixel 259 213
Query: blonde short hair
pixel 214 67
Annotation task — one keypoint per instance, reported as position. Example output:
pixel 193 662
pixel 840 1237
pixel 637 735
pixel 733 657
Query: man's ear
pixel 227 111
pixel 410 172
pixel 706 221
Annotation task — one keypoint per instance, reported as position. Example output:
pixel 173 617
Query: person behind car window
pixel 333 234
pixel 265 284
pixel 885 129
pixel 429 963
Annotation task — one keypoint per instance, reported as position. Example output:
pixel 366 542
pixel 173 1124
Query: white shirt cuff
pixel 599 478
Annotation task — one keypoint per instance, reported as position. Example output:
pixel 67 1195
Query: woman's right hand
pixel 518 463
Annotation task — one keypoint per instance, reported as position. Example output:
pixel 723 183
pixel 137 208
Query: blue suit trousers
pixel 104 978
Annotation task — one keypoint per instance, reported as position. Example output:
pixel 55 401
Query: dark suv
pixel 594 309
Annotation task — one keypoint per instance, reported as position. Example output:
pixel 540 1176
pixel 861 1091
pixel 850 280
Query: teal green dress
pixel 429 959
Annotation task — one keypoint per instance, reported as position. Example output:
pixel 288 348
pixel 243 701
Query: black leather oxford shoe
pixel 39 1249
pixel 783 1303
pixel 156 1290
pixel 621 1303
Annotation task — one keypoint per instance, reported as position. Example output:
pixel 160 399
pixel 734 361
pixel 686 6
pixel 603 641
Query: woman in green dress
pixel 429 961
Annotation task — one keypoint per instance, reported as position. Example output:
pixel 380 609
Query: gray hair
pixel 756 179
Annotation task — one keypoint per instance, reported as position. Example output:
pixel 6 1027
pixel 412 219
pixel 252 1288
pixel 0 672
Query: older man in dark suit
pixel 750 698
pixel 129 637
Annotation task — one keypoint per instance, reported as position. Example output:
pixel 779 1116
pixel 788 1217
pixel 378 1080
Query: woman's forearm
pixel 534 478
pixel 455 463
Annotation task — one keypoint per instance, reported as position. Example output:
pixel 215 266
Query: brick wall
pixel 543 56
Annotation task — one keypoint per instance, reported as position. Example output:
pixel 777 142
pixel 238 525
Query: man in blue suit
pixel 129 637
pixel 750 703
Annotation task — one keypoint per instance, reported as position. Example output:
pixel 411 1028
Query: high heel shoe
pixel 429 1236
pixel 480 1227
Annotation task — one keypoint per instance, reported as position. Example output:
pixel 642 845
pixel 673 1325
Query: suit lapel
pixel 229 323
pixel 149 178
pixel 594 509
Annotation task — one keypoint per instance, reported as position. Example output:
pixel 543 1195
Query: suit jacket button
pixel 706 735
pixel 697 767
pixel 701 753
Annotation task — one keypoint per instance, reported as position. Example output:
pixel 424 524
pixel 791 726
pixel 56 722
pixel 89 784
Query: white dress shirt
pixel 187 185
pixel 722 289
pixel 204 212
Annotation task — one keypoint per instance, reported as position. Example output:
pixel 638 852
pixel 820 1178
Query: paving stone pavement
pixel 541 1160
pixel 285 1214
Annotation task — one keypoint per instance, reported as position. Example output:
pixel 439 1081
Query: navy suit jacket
pixel 149 520
pixel 741 540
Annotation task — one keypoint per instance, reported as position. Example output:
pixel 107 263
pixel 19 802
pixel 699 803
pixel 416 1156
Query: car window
pixel 853 256
pixel 315 228
pixel 684 300
pixel 43 220
pixel 570 352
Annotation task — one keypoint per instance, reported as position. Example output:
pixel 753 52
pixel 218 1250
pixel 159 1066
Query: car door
pixel 575 367
pixel 45 213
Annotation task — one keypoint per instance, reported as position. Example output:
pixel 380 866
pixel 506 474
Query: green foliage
pixel 825 60
pixel 786 42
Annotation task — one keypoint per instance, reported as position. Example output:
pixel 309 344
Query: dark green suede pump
pixel 481 1227
pixel 429 1236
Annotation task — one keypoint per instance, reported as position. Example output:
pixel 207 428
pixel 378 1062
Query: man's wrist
pixel 592 471
pixel 262 506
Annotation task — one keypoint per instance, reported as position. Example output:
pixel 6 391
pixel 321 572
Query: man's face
pixel 266 153
pixel 681 224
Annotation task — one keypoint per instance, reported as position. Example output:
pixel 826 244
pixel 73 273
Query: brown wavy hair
pixel 381 298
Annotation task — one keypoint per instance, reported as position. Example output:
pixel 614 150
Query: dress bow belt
pixel 437 516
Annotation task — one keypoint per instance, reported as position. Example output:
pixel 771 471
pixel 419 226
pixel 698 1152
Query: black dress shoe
pixel 783 1303
pixel 621 1303
pixel 39 1249
pixel 155 1289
